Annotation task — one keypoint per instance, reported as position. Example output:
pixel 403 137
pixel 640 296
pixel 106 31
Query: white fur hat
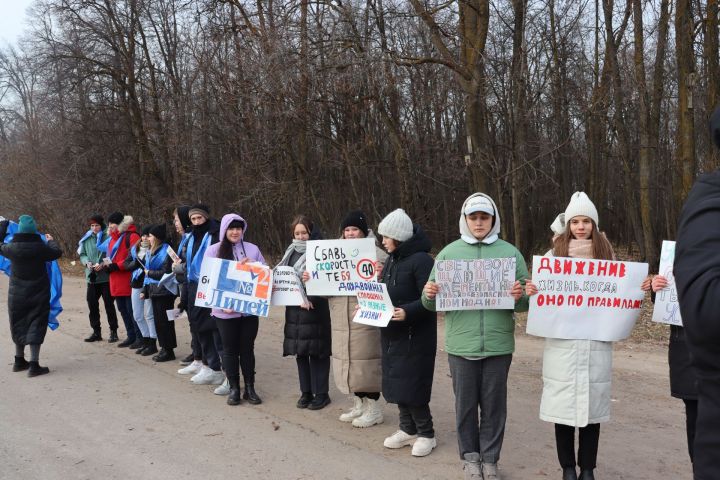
pixel 396 225
pixel 581 205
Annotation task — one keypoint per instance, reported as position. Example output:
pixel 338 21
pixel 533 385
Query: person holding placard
pixel 157 264
pixel 237 330
pixel 97 279
pixel 480 343
pixel 683 379
pixel 183 227
pixel 577 374
pixel 409 342
pixel 307 327
pixel 142 306
pixel 356 353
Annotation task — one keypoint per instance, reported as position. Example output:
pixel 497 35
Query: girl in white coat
pixel 577 373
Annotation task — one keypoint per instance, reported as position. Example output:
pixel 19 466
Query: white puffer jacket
pixel 577 376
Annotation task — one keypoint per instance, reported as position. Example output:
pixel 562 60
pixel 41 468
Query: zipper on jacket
pixel 482 312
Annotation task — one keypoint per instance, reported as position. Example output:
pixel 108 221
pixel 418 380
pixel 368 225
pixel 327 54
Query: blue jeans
pixel 124 306
pixel 143 313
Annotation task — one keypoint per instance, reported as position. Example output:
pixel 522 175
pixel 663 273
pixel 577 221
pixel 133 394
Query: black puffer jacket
pixel 29 292
pixel 307 332
pixel 409 346
pixel 697 276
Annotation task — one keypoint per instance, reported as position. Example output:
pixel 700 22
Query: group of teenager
pixel 138 272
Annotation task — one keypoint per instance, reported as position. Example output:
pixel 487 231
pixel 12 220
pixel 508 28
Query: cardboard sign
pixel 287 287
pixel 338 267
pixel 376 308
pixel 480 284
pixel 173 255
pixel 667 308
pixel 240 287
pixel 585 299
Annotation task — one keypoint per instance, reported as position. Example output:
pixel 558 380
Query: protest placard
pixel 478 284
pixel 376 308
pixel 287 287
pixel 667 308
pixel 240 287
pixel 585 299
pixel 337 267
pixel 171 253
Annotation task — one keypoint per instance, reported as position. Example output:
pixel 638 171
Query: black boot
pixel 35 369
pixel 20 364
pixel 113 336
pixel 138 343
pixel 305 399
pixel 569 473
pixel 150 348
pixel 95 337
pixel 320 401
pixel 126 343
pixel 586 475
pixel 234 395
pixel 251 395
pixel 142 347
pixel 165 355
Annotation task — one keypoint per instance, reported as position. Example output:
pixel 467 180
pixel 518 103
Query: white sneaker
pixel 202 373
pixel 211 378
pixel 355 412
pixel 193 368
pixel 489 471
pixel 399 439
pixel 423 446
pixel 372 415
pixel 223 389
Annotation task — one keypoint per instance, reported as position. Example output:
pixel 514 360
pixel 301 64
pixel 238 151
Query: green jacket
pixel 481 333
pixel 89 253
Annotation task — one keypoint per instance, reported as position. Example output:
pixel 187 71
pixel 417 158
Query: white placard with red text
pixel 376 308
pixel 585 299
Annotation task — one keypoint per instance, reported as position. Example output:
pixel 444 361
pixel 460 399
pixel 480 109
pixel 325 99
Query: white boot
pixel 193 368
pixel 423 446
pixel 355 412
pixel 372 414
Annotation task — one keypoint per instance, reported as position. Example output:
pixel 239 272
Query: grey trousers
pixel 480 384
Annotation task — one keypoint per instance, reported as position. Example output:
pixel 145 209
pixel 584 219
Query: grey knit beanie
pixel 396 225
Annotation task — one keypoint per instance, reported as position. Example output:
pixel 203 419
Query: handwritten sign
pixel 287 287
pixel 338 267
pixel 240 287
pixel 667 308
pixel 585 299
pixel 480 284
pixel 376 308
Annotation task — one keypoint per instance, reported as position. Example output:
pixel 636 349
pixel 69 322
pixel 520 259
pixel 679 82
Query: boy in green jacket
pixel 480 343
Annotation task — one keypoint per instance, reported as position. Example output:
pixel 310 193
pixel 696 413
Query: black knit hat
pixel 356 218
pixel 146 229
pixel 714 124
pixel 183 213
pixel 116 218
pixel 158 231
pixel 97 218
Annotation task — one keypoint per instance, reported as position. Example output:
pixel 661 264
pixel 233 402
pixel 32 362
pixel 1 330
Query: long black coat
pixel 697 276
pixel 29 292
pixel 308 332
pixel 683 380
pixel 409 346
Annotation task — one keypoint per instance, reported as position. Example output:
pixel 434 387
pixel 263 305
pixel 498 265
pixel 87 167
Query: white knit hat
pixel 581 205
pixel 396 225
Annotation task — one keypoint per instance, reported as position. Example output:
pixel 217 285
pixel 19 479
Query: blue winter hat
pixel 26 224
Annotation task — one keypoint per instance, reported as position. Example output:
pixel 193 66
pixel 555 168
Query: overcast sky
pixel 12 19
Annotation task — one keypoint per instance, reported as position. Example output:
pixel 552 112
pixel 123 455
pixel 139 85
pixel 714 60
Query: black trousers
pixel 94 292
pixel 691 412
pixel 371 395
pixel 587 448
pixel 238 340
pixel 416 420
pixel 314 373
pixel 211 346
pixel 164 327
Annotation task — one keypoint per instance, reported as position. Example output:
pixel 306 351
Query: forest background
pixel 277 107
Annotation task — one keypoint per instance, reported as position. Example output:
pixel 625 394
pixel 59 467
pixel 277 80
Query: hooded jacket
pixel 121 241
pixel 409 346
pixel 240 250
pixel 480 333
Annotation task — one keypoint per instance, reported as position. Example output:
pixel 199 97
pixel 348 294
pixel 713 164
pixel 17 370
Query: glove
pixel 3 229
pixel 112 268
